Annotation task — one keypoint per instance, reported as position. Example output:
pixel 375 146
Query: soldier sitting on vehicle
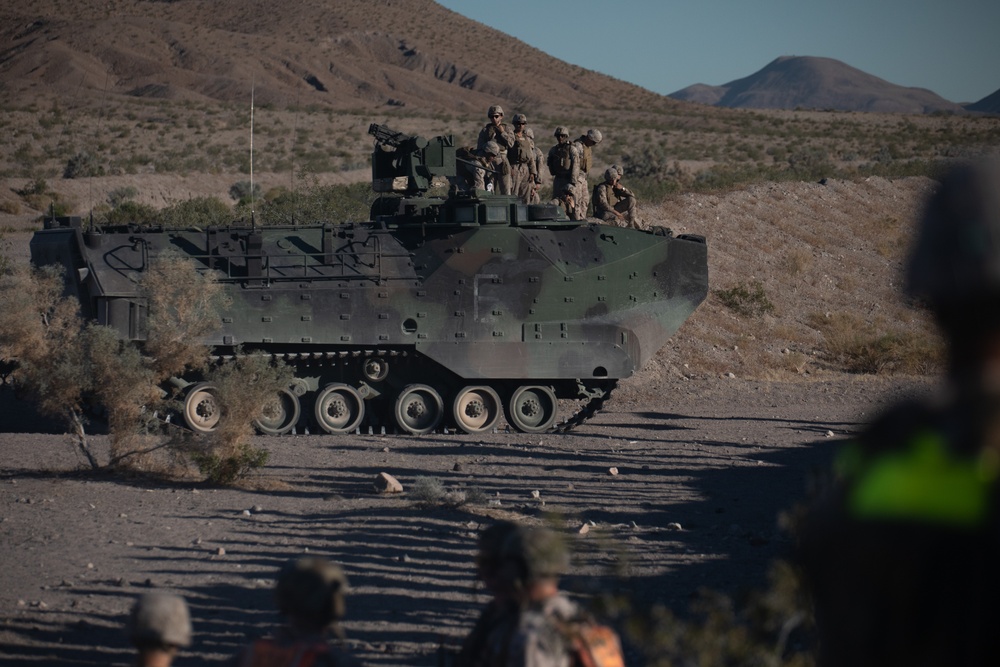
pixel 613 202
pixel 159 626
pixel 310 596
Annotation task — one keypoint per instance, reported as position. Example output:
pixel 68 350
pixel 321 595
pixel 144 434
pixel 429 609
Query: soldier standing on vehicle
pixel 901 553
pixel 159 626
pixel 564 165
pixel 584 145
pixel 524 175
pixel 613 202
pixel 498 131
pixel 539 167
pixel 534 624
pixel 310 597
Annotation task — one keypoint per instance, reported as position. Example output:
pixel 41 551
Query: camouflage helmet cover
pixel 494 110
pixel 535 553
pixel 619 169
pixel 311 588
pixel 161 619
pixel 520 118
pixel 595 136
pixel 492 148
pixel 610 174
pixel 561 131
pixel 956 255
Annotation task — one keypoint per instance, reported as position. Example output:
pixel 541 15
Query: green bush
pixel 197 212
pixel 748 300
pixel 82 165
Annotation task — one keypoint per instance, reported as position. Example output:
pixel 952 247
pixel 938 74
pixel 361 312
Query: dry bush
pixel 770 627
pixel 797 261
pixel 125 385
pixel 244 385
pixel 40 329
pixel 862 347
pixel 183 308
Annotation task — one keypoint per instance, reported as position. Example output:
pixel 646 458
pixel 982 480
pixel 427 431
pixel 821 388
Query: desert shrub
pixel 127 212
pixel 334 203
pixel 427 490
pixel 773 626
pixel 196 212
pixel 244 385
pixel 243 191
pixel 183 305
pixel 747 299
pixel 36 186
pixel 41 329
pixel 118 196
pixel 82 165
pixel 862 347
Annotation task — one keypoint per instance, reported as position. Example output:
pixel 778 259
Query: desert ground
pixel 702 475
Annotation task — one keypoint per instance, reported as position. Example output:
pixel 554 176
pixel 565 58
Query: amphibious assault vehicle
pixel 439 312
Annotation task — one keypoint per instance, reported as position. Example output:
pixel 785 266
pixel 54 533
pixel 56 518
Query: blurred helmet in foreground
pixel 160 619
pixel 311 589
pixel 534 554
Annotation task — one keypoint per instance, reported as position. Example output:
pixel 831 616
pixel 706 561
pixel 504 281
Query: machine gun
pixel 408 164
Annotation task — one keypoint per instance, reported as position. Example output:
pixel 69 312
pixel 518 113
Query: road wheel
pixel 279 415
pixel 202 409
pixel 477 409
pixel 532 409
pixel 419 409
pixel 339 408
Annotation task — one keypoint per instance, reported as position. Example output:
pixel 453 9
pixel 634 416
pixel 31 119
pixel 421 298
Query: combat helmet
pixel 496 109
pixel 160 619
pixel 533 553
pixel 520 119
pixel 595 136
pixel 954 265
pixel 491 147
pixel 561 131
pixel 610 174
pixel 311 591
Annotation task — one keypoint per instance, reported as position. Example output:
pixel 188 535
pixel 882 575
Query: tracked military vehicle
pixel 440 312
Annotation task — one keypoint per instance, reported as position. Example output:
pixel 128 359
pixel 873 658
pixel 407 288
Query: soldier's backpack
pixel 269 653
pixel 595 645
pixel 561 159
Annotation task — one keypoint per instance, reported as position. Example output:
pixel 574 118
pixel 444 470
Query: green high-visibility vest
pixel 923 482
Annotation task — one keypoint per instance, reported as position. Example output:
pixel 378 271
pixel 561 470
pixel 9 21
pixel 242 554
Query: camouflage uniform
pixel 583 145
pixel 310 596
pixel 539 167
pixel 521 156
pixel 530 636
pixel 613 202
pixel 481 169
pixel 900 553
pixel 529 623
pixel 564 165
pixel 503 135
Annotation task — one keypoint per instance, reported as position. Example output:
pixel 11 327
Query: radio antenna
pixel 253 223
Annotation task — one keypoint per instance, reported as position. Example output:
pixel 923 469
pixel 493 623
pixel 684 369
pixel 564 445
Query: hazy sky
pixel 949 47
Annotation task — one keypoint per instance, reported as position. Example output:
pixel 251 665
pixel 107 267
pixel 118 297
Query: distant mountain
pixel 347 54
pixel 806 82
pixel 989 104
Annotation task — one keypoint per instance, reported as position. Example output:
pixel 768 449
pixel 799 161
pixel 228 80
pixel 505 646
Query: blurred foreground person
pixel 487 570
pixel 310 597
pixel 530 622
pixel 902 554
pixel 159 626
